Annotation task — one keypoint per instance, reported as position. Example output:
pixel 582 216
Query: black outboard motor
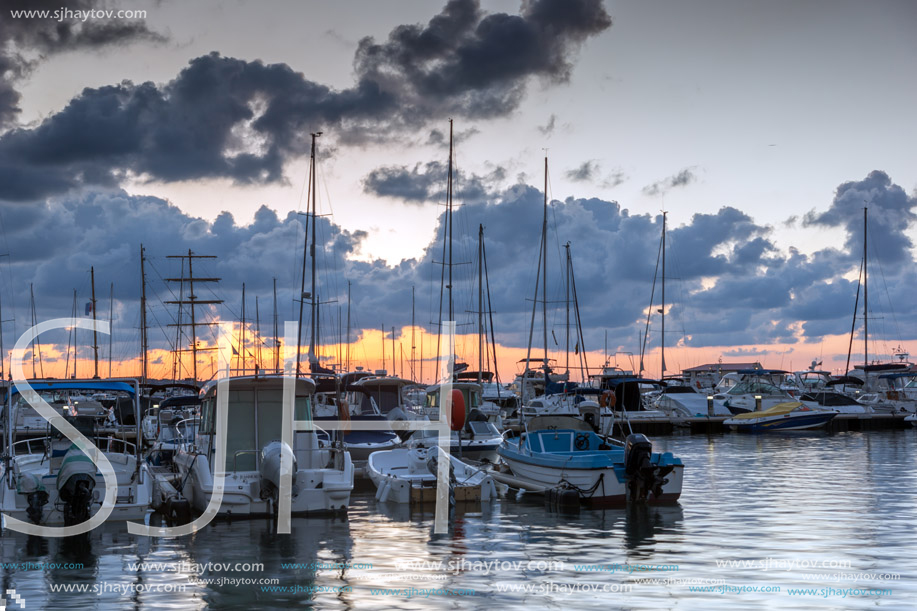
pixel 643 476
pixel 37 502
pixel 77 496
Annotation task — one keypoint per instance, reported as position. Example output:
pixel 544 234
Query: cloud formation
pixel 223 117
pixel 425 183
pixel 734 286
pixel 26 40
pixel 683 178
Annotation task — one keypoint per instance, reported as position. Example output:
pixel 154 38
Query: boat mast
pixel 449 205
pixel 567 339
pixel 348 325
pixel 312 357
pixel 413 336
pixel 241 359
pixel 258 335
pixel 480 303
pixel 305 249
pixel 111 311
pixel 865 294
pixel 544 263
pixel 95 336
pixel 276 340
pixel 662 310
pixel 192 301
pixel 144 346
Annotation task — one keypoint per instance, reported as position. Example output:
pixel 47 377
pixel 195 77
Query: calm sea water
pixel 794 521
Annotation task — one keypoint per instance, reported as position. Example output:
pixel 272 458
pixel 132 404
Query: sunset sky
pixel 763 129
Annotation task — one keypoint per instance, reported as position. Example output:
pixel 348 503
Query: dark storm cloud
pixel 24 41
pixel 228 118
pixel 683 178
pixel 474 64
pixel 727 283
pixel 426 183
pixel 891 212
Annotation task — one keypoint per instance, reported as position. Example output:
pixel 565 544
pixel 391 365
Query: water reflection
pixel 848 498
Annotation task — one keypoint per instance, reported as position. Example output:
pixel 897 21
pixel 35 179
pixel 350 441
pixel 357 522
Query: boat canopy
pixel 86 385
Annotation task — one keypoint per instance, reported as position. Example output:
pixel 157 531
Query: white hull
pixel 398 478
pixel 607 487
pixel 132 502
pixel 314 490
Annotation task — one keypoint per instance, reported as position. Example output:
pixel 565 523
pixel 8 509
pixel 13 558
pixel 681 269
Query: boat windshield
pixel 755 387
pixel 255 419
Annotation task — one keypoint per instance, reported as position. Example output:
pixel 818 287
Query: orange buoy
pixel 458 410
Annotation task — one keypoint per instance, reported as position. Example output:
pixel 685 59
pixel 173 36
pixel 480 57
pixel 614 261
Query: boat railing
pixel 25 446
pixel 39 445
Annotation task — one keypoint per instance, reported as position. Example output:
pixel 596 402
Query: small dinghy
pixel 408 475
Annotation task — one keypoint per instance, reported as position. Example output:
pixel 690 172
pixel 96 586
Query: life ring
pixel 344 416
pixel 608 399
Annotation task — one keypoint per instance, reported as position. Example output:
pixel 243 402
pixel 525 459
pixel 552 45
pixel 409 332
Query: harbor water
pixel 791 521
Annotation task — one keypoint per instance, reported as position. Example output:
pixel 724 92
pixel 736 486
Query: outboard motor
pixel 643 476
pixel 37 496
pixel 75 473
pixel 271 470
pixel 399 426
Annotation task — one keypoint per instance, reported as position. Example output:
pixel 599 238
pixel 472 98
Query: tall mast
pixel 111 311
pixel 95 336
pixel 383 345
pixel 144 346
pixel 276 336
pixel 480 303
pixel 449 212
pixel 193 301
pixel 75 310
pixel 393 352
pixel 312 356
pixel 242 334
pixel 865 293
pixel 258 334
pixel 348 325
pixel 37 346
pixel 413 343
pixel 544 263
pixel 305 250
pixel 567 347
pixel 662 311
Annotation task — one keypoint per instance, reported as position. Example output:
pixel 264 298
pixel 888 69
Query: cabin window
pixel 240 431
pixel 207 417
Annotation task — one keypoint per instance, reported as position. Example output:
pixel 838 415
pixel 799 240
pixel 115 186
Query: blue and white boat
pixel 52 481
pixel 563 453
pixel 789 416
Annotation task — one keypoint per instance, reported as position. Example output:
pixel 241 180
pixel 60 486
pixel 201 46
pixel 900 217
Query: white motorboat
pixel 323 476
pixel 409 475
pixel 51 482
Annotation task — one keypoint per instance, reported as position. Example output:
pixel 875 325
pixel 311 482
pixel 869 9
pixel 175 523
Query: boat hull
pixel 787 422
